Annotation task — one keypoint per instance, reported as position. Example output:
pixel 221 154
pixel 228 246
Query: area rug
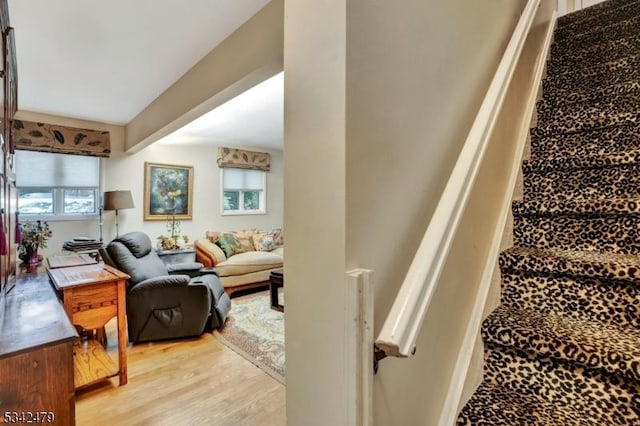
pixel 256 332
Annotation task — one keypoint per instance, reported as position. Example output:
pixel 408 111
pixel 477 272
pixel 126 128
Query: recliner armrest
pixel 164 281
pixel 187 268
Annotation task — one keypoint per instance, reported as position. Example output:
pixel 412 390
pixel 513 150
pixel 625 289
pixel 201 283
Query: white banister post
pixel 359 347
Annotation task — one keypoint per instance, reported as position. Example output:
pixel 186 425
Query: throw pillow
pixel 229 245
pixel 263 241
pixel 212 236
pixel 245 238
pixel 278 237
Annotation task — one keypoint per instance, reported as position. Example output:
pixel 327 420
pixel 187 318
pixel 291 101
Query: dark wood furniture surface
pixel 36 351
pixel 276 281
pixel 92 295
pixel 177 256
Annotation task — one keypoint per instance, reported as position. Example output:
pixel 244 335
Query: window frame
pixel 58 204
pixel 263 197
pixel 58 190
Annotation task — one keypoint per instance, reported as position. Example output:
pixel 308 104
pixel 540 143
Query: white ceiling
pixel 107 60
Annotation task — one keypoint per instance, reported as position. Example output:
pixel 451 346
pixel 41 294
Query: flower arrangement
pixel 169 185
pixel 33 235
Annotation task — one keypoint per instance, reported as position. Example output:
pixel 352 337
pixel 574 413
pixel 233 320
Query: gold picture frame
pixel 168 191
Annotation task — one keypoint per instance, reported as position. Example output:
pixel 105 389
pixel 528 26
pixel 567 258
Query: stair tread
pixel 575 97
pixel 610 141
pixel 603 48
pixel 595 18
pixel 588 119
pixel 496 405
pixel 538 165
pixel 583 341
pixel 572 262
pixel 577 206
pixel 621 27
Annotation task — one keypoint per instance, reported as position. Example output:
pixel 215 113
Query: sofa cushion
pixel 229 244
pixel 248 262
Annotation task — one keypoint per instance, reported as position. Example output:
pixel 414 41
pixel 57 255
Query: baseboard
pixel 456 385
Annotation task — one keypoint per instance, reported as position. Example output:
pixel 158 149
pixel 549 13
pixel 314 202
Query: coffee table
pixel 276 281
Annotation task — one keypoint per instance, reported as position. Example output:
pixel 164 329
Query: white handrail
pixel 400 330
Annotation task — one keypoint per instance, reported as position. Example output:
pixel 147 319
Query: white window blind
pixel 243 179
pixel 43 169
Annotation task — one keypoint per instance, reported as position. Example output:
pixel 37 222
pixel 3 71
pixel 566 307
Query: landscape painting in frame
pixel 168 191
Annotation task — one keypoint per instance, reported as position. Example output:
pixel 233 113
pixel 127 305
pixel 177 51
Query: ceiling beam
pixel 251 54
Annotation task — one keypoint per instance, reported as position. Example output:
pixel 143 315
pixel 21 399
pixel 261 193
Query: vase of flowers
pixel 33 236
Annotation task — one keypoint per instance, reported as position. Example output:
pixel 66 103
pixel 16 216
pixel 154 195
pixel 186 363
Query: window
pixel 57 186
pixel 243 191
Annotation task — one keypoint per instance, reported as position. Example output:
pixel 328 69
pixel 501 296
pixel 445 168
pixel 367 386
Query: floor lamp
pixel 118 200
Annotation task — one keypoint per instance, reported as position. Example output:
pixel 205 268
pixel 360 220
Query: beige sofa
pixel 242 270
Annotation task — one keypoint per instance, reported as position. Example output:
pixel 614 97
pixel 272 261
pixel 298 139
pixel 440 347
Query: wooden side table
pixel 276 280
pixel 92 295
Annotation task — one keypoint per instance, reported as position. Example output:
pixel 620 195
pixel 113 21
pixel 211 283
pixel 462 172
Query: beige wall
pixel 411 76
pixel 126 171
pixel 315 211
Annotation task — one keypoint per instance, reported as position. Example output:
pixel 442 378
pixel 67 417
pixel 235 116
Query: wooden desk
pixel 92 295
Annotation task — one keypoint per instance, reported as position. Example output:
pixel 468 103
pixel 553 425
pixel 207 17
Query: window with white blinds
pixel 243 191
pixel 57 185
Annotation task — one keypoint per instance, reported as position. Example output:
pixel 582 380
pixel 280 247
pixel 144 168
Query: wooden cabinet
pixel 36 353
pixel 8 191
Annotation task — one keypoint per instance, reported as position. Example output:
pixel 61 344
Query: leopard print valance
pixel 31 136
pixel 242 159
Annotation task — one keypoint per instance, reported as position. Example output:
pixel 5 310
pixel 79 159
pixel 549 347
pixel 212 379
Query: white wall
pixel 382 94
pixel 126 171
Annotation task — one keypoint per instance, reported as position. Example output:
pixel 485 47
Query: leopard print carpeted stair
pixel 563 348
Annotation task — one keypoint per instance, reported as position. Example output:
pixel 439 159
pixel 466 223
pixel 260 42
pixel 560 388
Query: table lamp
pixel 118 200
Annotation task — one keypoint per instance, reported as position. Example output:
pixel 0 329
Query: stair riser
pixel 606 233
pixel 615 140
pixel 614 302
pixel 622 181
pixel 628 91
pixel 601 396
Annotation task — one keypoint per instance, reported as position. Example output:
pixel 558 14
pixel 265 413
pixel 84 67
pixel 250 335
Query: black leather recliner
pixel 166 301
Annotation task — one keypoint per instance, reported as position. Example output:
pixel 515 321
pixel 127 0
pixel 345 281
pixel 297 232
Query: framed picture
pixel 168 191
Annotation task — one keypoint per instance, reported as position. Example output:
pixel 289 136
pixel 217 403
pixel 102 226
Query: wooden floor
pixel 187 382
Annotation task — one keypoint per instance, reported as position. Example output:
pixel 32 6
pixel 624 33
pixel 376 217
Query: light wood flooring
pixel 184 382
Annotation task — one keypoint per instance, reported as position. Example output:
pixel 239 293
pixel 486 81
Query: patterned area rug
pixel 256 332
